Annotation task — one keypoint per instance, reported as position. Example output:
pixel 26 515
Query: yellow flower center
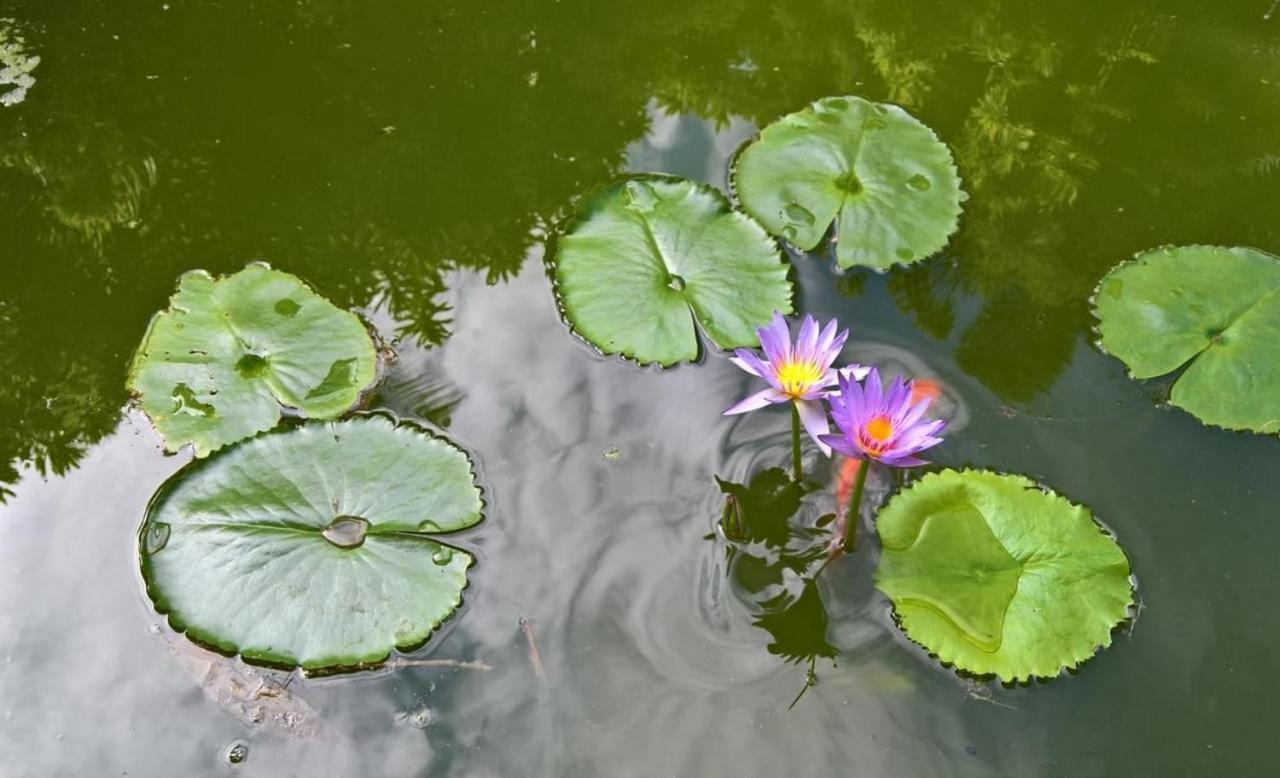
pixel 798 377
pixel 879 429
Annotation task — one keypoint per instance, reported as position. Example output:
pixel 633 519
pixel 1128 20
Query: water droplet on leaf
pixel 287 307
pixel 676 283
pixel 799 214
pixel 904 254
pixel 157 536
pixel 442 556
pixel 918 183
pixel 346 531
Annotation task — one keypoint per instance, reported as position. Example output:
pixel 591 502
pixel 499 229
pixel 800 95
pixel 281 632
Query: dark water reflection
pixel 410 161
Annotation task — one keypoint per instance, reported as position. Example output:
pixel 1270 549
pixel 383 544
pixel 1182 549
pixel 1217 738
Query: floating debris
pixel 250 694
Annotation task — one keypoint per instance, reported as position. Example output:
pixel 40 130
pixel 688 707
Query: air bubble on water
pixel 799 214
pixel 418 718
pixel 157 536
pixel 442 556
pixel 613 453
pixel 964 196
pixel 918 183
pixel 237 752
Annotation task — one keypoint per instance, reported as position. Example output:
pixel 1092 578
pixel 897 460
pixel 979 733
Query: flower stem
pixel 796 468
pixel 853 513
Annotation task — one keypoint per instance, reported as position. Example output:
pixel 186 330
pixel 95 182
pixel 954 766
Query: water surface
pixel 410 161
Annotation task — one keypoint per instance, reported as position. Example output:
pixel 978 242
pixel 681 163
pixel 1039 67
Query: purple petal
pixel 831 352
pixel 775 339
pixel 807 340
pixel 756 401
pixel 813 415
pixel 907 461
pixel 826 338
pixel 855 371
pixel 747 361
pixel 842 445
pixel 913 413
pixel 873 390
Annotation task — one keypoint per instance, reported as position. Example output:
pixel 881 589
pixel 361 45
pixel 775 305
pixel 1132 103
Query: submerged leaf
pixel 1215 310
pixel 995 576
pixel 883 177
pixel 646 258
pixel 217 365
pixel 312 546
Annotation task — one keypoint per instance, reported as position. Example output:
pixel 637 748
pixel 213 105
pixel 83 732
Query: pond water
pixel 410 161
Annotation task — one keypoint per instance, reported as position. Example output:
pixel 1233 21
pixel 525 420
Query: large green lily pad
pixel 217 365
pixel 881 175
pixel 992 574
pixel 313 546
pixel 647 256
pixel 1215 310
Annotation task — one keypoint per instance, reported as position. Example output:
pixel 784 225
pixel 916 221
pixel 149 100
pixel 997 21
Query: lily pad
pixel 644 258
pixel 313 546
pixel 885 179
pixel 992 574
pixel 217 365
pixel 1214 310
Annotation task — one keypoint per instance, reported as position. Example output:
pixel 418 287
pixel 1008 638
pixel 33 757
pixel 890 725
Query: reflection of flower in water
pixel 15 64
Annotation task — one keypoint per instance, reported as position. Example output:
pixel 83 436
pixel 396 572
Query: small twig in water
pixel 526 626
pixel 810 680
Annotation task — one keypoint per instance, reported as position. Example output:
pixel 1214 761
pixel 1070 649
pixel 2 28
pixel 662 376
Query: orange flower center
pixel 798 377
pixel 879 429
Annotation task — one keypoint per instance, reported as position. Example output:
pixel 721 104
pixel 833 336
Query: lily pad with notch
pixel 645 258
pixel 314 546
pixel 217 366
pixel 884 178
pixel 996 576
pixel 1214 311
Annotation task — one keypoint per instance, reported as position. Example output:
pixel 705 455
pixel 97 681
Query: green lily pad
pixel 881 175
pixel 1215 310
pixel 313 546
pixel 644 258
pixel 217 365
pixel 992 574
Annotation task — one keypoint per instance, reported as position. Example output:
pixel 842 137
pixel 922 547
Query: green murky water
pixel 410 160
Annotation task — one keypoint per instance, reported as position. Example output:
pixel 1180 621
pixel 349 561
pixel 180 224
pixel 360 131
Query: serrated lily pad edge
pixel 229 649
pixel 383 355
pixel 1132 608
pixel 1095 329
pixel 569 222
pixel 824 245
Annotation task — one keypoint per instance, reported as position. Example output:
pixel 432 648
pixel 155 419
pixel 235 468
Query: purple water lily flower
pixel 800 373
pixel 879 424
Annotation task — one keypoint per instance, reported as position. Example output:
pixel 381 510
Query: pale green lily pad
pixel 997 577
pixel 645 258
pixel 216 366
pixel 885 179
pixel 1215 310
pixel 314 546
